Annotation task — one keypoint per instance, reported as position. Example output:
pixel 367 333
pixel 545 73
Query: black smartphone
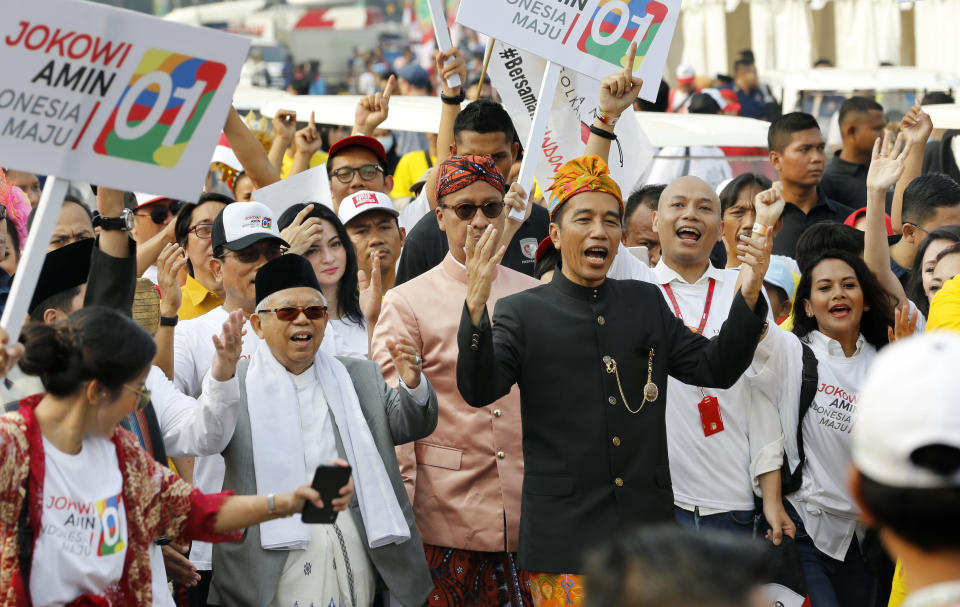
pixel 327 481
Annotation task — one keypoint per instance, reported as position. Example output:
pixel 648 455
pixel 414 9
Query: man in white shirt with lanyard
pixel 720 442
pixel 244 238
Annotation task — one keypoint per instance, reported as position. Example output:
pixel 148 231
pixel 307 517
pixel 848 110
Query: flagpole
pixel 486 62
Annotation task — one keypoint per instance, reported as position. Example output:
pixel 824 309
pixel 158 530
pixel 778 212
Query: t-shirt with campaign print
pixel 823 501
pixel 82 542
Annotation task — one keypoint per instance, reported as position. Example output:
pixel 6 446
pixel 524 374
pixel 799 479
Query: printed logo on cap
pixel 162 105
pixel 529 247
pixel 615 24
pixel 256 221
pixel 364 198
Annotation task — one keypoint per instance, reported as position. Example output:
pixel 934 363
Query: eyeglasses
pixel 467 211
pixel 252 254
pixel 367 172
pixel 144 395
pixel 293 312
pixel 202 230
pixel 160 212
pixel 910 223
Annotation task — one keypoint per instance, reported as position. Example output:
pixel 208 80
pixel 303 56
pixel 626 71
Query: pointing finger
pixel 630 60
pixel 388 90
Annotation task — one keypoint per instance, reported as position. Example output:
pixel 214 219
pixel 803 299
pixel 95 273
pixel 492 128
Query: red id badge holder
pixel 710 417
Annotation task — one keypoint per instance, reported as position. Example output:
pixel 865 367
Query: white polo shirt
pixel 716 473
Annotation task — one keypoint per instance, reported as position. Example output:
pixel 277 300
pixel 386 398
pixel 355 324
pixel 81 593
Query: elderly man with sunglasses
pixel 302 408
pixel 464 480
pixel 244 237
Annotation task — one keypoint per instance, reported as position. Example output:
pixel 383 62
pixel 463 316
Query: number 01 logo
pixel 160 108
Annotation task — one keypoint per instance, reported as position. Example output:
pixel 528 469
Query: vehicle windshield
pixel 270 53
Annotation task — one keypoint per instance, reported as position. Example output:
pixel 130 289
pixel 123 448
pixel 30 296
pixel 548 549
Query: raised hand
pixel 483 256
pixel 301 233
pixel 916 126
pixel 619 90
pixel 769 205
pixel 171 260
pixel 373 110
pixel 307 140
pixel 228 347
pixel 447 67
pixel 371 291
pixel 285 125
pixel 904 325
pixel 406 360
pixel 9 355
pixel 887 162
pixel 754 253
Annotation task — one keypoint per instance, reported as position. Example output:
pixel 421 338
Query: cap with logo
pixel 362 202
pixel 908 404
pixel 241 224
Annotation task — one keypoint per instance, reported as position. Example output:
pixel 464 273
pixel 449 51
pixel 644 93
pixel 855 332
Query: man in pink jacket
pixel 465 479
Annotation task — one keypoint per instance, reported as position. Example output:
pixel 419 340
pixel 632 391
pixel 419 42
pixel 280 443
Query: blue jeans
pixel 743 522
pixel 833 583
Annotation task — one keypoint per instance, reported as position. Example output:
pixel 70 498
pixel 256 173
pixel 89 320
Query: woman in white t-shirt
pixel 842 314
pixel 80 501
pixel 314 231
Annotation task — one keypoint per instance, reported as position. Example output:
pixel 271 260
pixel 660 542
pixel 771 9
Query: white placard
pixel 311 185
pixel 516 74
pixel 442 34
pixel 113 97
pixel 538 125
pixel 588 36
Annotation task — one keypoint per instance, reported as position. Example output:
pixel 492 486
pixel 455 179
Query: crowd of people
pixel 674 395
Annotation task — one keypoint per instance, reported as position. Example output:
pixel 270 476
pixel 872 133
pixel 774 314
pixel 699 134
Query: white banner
pixel 588 36
pixel 113 97
pixel 517 74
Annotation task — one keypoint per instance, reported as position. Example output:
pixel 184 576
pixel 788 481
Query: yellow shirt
pixel 197 299
pixel 945 307
pixel 287 164
pixel 410 168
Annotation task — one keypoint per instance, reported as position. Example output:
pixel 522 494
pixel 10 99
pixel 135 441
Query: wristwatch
pixel 124 222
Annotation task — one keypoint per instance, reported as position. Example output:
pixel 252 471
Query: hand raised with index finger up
pixel 483 256
pixel 619 90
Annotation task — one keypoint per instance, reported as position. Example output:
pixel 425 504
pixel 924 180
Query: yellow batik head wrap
pixel 583 174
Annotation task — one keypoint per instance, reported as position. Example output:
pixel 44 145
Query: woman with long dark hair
pixel 841 315
pixel 314 231
pixel 80 501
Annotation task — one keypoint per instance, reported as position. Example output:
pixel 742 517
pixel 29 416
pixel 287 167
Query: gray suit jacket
pixel 246 574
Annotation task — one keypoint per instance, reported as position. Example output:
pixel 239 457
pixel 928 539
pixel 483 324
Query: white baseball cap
pixel 909 401
pixel 362 202
pixel 685 73
pixel 240 224
pixel 144 199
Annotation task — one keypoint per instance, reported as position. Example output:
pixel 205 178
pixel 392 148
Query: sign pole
pixel 442 34
pixel 531 148
pixel 28 271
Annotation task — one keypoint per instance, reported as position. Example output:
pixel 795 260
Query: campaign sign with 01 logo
pixel 113 97
pixel 588 36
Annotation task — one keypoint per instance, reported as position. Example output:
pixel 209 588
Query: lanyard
pixel 706 305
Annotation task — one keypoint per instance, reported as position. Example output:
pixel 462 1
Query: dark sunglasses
pixel 367 172
pixel 252 254
pixel 293 312
pixel 160 212
pixel 467 211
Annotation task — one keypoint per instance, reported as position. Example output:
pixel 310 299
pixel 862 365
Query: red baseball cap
pixel 358 140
